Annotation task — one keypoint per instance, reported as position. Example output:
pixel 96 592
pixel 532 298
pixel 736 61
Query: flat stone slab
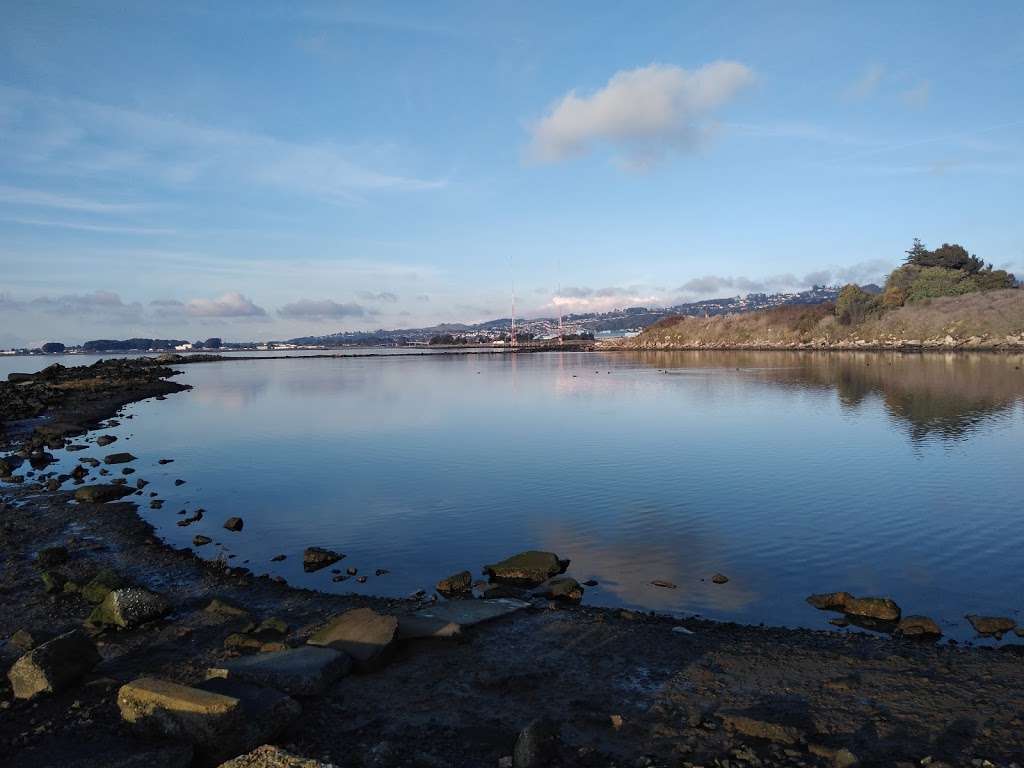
pixel 53 666
pixel 466 613
pixel 306 671
pixel 179 711
pixel 365 635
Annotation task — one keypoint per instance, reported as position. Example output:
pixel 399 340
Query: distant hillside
pixel 627 319
pixel 989 319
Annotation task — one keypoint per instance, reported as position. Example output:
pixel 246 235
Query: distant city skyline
pixel 250 172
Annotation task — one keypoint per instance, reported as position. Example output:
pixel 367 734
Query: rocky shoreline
pixel 893 344
pixel 360 681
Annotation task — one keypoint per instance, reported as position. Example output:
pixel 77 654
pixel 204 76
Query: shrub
pixel 855 305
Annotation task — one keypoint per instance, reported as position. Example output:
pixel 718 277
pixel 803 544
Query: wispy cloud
pixel 866 84
pixel 74 137
pixel 86 227
pixel 644 113
pixel 377 296
pixel 917 96
pixel 34 198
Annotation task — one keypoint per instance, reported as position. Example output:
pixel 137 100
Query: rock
pixel 305 671
pixel 102 584
pixel 830 601
pixel 527 568
pixel 839 621
pixel 719 578
pixel 53 666
pixel 179 481
pixel 118 458
pixel 273 757
pixel 663 584
pixel 466 613
pixel 365 635
pixel 537 745
pixel 53 581
pixel 761 729
pixel 50 557
pixel 128 607
pixel 165 461
pixel 234 524
pixel 457 584
pixel 315 558
pixel 104 440
pixel 220 720
pixel 278 558
pixel 128 471
pixel 351 571
pixel 25 640
pixel 878 608
pixel 199 540
pixel 560 588
pixel 156 504
pixel 494 591
pixel 918 626
pixel 9 464
pixel 991 625
pixel 221 607
pixel 419 627
pixel 98 494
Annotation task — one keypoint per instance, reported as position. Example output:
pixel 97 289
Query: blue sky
pixel 253 170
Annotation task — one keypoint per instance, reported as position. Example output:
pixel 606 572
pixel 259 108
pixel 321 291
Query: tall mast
pixel 512 337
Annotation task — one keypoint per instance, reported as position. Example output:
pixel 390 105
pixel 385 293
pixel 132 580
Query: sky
pixel 263 170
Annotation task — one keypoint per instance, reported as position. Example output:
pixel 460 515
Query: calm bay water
pixel 896 475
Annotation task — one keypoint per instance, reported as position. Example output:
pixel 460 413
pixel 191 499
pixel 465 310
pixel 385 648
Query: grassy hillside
pixel 990 319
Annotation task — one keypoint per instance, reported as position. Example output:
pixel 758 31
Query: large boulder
pixel 527 568
pixel 306 671
pixel 268 756
pixel 98 494
pixel 53 666
pixel 220 719
pixel 365 635
pixel 128 607
pixel 315 558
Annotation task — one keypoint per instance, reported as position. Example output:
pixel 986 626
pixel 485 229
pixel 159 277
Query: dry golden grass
pixel 991 315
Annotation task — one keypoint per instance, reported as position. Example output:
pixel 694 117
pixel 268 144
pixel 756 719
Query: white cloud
pixel 865 85
pixel 231 304
pixel 309 309
pixel 643 112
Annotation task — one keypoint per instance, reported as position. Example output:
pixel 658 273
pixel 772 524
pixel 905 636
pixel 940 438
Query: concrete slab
pixel 306 671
